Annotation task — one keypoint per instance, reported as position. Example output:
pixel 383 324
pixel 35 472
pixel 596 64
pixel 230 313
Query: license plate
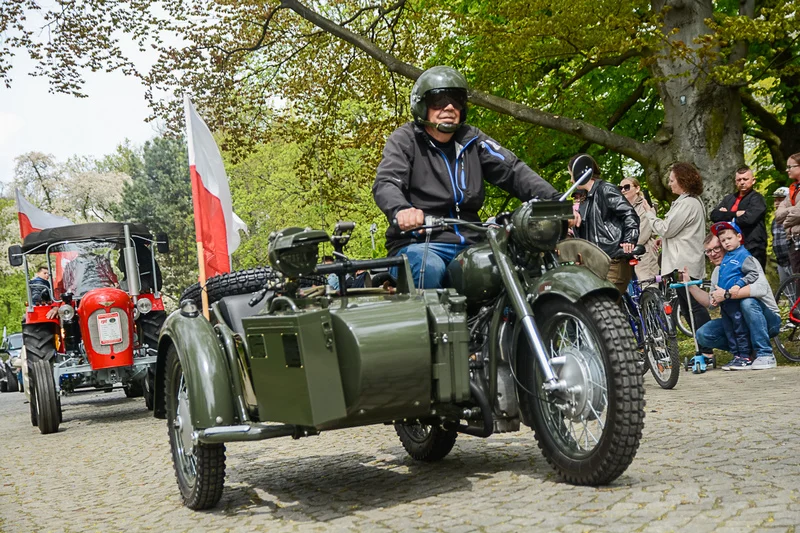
pixel 110 328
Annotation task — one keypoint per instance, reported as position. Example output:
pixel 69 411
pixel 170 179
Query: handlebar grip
pixel 686 284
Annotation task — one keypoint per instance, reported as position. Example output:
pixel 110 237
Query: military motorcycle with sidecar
pixel 522 335
pixel 96 322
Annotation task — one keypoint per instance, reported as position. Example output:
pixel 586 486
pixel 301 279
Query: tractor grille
pixel 94 332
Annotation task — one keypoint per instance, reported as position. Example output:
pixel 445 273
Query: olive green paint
pixel 204 367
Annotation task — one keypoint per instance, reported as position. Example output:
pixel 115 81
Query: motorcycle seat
pixel 235 308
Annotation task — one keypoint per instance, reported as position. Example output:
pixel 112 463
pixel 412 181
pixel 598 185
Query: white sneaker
pixel 764 362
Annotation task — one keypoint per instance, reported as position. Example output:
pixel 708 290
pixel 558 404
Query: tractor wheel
pixel 149 329
pixel 133 389
pixel 47 404
pixel 39 340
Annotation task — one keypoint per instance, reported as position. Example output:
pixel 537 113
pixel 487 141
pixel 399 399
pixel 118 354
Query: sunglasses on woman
pixel 624 188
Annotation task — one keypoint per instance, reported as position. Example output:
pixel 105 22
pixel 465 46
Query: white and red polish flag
pixel 216 225
pixel 31 218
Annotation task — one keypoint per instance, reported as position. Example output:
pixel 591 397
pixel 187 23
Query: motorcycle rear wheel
pixel 424 442
pixel 589 435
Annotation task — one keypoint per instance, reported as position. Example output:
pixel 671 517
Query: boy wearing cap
pixel 738 269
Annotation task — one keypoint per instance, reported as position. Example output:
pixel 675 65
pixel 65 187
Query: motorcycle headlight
pixel 538 226
pixel 66 312
pixel 144 306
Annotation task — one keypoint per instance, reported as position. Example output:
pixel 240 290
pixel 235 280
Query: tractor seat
pixel 235 308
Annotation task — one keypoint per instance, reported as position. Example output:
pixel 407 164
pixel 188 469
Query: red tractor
pixel 95 322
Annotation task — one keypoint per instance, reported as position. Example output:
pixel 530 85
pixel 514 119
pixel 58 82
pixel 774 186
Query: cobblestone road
pixel 719 454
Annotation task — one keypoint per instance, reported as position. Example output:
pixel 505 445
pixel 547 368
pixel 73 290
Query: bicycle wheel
pixel 632 314
pixel 661 343
pixel 679 322
pixel 788 340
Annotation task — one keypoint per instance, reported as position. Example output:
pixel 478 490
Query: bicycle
pixel 788 340
pixel 648 314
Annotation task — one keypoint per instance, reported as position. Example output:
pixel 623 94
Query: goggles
pixel 441 98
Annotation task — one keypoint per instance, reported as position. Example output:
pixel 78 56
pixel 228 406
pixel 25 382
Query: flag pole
pixel 201 266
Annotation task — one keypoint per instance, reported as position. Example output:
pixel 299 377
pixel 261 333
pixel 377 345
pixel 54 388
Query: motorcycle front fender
pixel 205 369
pixel 568 281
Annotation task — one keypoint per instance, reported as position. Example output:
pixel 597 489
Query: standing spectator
pixel 780 244
pixel 647 268
pixel 682 231
pixel 607 219
pixel 750 210
pixel 788 213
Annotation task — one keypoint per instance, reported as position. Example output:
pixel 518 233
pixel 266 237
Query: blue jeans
pixel 735 327
pixel 762 323
pixel 439 256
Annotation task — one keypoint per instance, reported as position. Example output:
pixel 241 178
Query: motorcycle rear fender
pixel 204 367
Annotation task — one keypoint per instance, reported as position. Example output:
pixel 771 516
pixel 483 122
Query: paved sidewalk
pixel 719 454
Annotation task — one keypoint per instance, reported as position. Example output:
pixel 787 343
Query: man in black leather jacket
pixel 608 220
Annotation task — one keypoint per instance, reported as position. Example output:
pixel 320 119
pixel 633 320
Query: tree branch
pixel 602 62
pixel 765 119
pixel 642 152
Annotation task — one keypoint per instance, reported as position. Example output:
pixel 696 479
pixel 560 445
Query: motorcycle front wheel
pixel 590 431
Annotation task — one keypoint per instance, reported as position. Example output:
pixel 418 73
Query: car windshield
pixel 79 267
pixel 15 341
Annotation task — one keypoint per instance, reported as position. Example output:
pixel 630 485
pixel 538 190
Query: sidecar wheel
pixel 424 442
pixel 199 467
pixel 590 434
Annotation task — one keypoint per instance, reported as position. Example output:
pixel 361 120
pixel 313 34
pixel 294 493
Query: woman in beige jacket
pixel 647 268
pixel 682 231
pixel 788 213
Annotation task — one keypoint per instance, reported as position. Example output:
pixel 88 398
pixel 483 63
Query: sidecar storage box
pixel 294 366
pixel 363 360
pixel 450 342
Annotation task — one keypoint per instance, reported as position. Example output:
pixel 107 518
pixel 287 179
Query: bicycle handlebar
pixel 685 284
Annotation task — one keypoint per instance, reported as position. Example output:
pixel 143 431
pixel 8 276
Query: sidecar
pixel 293 360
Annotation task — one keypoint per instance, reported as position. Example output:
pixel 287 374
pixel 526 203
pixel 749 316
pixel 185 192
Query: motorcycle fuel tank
pixel 474 274
pixel 106 328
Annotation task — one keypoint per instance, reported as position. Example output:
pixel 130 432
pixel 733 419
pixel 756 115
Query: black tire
pixel 149 328
pixel 3 386
pixel 32 403
pixel 611 399
pixel 231 284
pixel 47 405
pixel 679 322
pixel 199 468
pixel 661 343
pixel 788 340
pixel 134 389
pixel 13 384
pixel 149 389
pixel 426 443
pixel 39 340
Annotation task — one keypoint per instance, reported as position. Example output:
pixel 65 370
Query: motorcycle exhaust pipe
pixel 488 424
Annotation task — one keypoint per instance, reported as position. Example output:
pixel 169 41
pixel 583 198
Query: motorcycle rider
pixel 436 165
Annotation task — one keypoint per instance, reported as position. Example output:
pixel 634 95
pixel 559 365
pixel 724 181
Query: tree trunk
pixel 702 120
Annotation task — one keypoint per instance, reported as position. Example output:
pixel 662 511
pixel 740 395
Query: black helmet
pixel 437 82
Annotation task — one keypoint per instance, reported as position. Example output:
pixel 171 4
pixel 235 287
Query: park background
pixel 301 97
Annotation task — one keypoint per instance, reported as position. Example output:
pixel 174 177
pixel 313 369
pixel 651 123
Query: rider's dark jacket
pixel 415 172
pixel 607 219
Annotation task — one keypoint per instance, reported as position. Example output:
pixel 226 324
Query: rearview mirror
pixel 15 255
pixel 162 243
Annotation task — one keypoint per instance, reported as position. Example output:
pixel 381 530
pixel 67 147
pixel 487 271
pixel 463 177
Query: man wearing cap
pixel 749 210
pixel 780 243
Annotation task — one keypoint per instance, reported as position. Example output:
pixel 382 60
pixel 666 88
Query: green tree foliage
pixel 12 280
pixel 159 195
